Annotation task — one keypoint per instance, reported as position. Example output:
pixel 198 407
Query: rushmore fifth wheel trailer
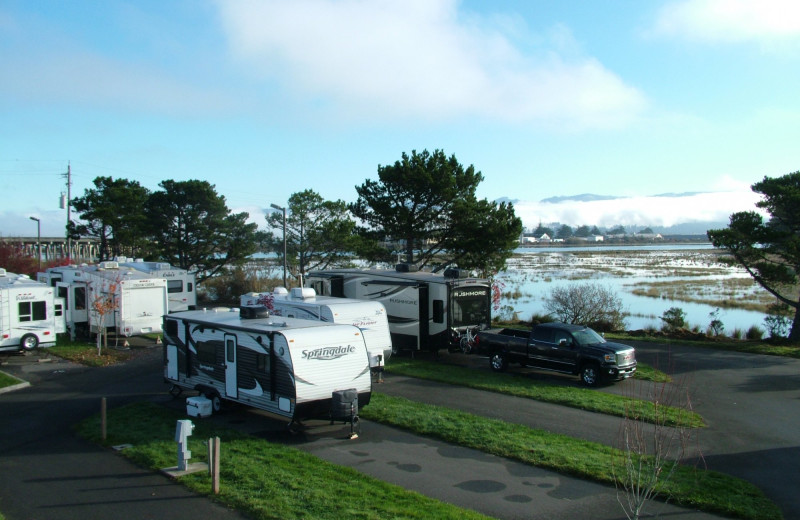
pixel 30 313
pixel 426 310
pixel 291 369
pixel 109 296
pixel 305 304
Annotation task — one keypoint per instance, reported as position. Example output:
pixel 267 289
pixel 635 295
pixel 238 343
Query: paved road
pixel 45 472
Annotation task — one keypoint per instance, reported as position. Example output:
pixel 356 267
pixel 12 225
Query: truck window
pixel 561 335
pixel 543 335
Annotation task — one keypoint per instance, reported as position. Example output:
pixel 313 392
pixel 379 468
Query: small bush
pixel 737 333
pixel 754 333
pixel 777 326
pixel 674 318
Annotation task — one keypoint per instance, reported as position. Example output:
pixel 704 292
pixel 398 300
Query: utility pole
pixel 68 175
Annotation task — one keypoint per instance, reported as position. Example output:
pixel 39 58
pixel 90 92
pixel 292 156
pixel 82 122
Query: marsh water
pixel 648 279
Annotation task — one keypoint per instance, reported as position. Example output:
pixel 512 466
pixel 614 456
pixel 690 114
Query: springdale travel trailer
pixel 303 303
pixel 111 296
pixel 427 311
pixel 181 284
pixel 292 369
pixel 30 313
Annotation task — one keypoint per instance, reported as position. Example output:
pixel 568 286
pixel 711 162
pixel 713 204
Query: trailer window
pixel 262 363
pixel 59 310
pixel 32 311
pixel 438 311
pixel 174 286
pixel 207 352
pixel 80 298
pixel 188 286
pixel 230 350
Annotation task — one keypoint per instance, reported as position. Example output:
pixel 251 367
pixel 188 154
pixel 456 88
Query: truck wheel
pixel 29 342
pixel 590 374
pixel 498 361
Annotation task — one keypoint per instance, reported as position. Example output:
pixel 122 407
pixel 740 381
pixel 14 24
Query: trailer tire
pixel 29 342
pixel 498 361
pixel 216 402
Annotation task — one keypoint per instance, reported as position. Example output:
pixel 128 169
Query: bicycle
pixel 467 340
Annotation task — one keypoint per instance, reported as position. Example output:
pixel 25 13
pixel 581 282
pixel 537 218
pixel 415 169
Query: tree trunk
pixel 794 335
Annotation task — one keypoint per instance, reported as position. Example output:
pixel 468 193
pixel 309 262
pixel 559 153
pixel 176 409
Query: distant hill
pixel 585 197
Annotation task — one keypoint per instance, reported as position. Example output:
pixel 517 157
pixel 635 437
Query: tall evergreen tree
pixel 769 250
pixel 427 201
pixel 112 213
pixel 193 228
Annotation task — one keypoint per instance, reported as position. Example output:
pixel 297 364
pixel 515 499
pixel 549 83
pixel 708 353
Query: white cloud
pixel 763 21
pixel 422 59
pixel 639 211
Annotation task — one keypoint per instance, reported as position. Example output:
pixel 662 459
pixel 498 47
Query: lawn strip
pixel 780 348
pixel 520 386
pixel 7 380
pixel 706 490
pixel 264 480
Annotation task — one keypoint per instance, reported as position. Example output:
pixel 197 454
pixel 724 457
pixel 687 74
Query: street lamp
pixel 38 241
pixel 279 208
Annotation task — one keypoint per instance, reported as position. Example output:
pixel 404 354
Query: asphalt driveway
pixel 45 472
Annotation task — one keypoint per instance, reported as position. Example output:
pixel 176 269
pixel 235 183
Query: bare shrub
pixel 587 304
pixel 649 452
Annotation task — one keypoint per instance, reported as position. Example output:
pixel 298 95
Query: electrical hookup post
pixel 183 430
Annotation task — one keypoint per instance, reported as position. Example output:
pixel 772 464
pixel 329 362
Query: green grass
pixel 706 490
pixel 8 380
pixel 520 386
pixel 781 348
pixel 262 479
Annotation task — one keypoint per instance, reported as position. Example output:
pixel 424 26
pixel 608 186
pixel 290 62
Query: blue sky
pixel 264 99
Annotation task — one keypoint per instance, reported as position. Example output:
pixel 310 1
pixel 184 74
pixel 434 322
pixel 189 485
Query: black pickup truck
pixel 573 349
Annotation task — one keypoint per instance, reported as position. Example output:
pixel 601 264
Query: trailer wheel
pixel 498 361
pixel 29 342
pixel 216 402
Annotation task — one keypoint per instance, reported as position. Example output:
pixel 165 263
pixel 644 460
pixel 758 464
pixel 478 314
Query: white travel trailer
pixel 292 369
pixel 303 303
pixel 111 296
pixel 30 313
pixel 181 284
pixel 427 311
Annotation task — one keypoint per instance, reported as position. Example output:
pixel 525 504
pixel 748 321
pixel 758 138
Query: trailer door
pixel 231 383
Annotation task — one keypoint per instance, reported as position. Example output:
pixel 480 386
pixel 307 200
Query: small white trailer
pixel 181 284
pixel 30 313
pixel 291 369
pixel 109 296
pixel 426 310
pixel 303 303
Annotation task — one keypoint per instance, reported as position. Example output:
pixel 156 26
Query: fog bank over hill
pixel 668 213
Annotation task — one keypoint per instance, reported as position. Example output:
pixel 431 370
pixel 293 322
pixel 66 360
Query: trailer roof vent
pixel 2 271
pixel 406 268
pixel 454 272
pixel 303 293
pixel 162 265
pixel 280 290
pixel 252 312
pixel 108 265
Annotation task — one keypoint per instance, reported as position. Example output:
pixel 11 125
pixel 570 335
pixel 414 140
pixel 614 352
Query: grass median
pixel 692 487
pixel 264 480
pixel 521 386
